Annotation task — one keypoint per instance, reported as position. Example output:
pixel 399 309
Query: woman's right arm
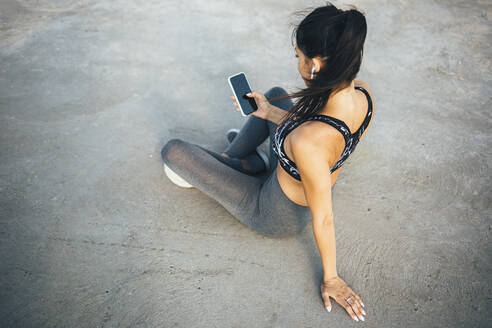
pixel 313 160
pixel 265 110
pixel 276 114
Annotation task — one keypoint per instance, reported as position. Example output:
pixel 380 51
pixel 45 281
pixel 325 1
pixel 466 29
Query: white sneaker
pixel 176 179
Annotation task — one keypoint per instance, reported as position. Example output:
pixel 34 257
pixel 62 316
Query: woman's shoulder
pixel 362 83
pixel 320 140
pixel 365 85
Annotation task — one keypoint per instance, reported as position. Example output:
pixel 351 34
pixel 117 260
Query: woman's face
pixel 301 65
pixel 305 65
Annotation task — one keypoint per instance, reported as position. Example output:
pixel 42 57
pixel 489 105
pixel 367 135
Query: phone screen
pixel 240 87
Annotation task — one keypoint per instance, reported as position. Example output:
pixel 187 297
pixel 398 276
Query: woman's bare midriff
pixel 293 188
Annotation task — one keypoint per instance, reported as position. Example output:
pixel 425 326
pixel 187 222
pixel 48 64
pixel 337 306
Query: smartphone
pixel 240 87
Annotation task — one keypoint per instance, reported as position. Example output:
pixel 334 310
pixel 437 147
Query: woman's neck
pixel 341 100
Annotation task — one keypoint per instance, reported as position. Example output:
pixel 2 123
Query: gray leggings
pixel 258 202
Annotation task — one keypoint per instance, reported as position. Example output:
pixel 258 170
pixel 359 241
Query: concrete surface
pixel 94 235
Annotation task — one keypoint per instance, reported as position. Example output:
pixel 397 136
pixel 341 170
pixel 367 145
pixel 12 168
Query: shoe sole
pixel 176 179
pixel 230 131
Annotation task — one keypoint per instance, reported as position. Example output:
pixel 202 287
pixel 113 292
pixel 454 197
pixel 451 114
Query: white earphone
pixel 312 71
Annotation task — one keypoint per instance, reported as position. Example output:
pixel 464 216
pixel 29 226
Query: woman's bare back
pixel 293 188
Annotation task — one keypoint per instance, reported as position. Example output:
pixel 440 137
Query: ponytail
pixel 337 37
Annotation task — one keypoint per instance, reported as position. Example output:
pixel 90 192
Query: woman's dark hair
pixel 337 36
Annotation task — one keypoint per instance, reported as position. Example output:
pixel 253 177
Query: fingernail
pixel 362 303
pixel 248 94
pixel 328 308
pixel 355 318
pixel 364 312
pixel 362 318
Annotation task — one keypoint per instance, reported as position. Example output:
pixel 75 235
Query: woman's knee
pixel 275 92
pixel 172 150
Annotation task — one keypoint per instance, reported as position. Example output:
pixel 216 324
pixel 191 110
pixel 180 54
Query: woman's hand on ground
pixel 264 107
pixel 340 291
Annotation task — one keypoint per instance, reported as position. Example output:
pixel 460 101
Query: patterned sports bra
pixel 351 140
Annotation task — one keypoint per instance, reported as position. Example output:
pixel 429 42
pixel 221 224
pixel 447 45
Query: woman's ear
pixel 317 62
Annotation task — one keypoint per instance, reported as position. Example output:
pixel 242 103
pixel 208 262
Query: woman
pixel 309 141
